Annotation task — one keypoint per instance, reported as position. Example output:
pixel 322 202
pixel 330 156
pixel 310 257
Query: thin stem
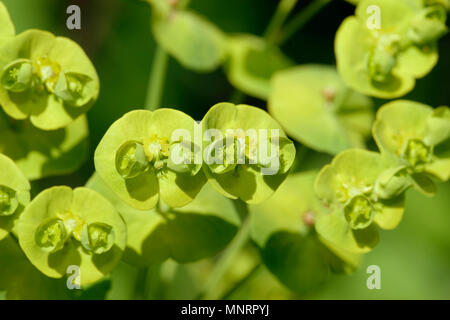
pixel 210 291
pixel 157 79
pixel 243 280
pixel 282 12
pixel 302 18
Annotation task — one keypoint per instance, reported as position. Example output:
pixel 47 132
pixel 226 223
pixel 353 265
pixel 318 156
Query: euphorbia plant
pixel 136 159
pixel 14 194
pixel 47 79
pixel 63 227
pixel 381 53
pixel 171 189
pixel 255 153
pixel 415 138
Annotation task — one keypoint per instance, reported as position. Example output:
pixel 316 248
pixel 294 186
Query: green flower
pixel 6 25
pixel 247 155
pixel 416 139
pixel 348 187
pixel 315 107
pixel 198 230
pixel 41 153
pixel 191 39
pixel 388 44
pixel 284 229
pixel 145 154
pixel 14 194
pixel 252 62
pixel 62 227
pixel 46 78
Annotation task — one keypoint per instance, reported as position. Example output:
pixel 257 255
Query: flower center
pixel 51 235
pixel 382 59
pixel 8 201
pixel 359 212
pixel 417 154
pixel 97 238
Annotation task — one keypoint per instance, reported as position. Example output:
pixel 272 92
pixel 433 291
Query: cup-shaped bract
pixel 14 194
pixel 348 187
pixel 416 138
pixel 198 230
pixel 149 155
pixel 53 229
pixel 48 79
pixel 247 155
pixel 251 63
pixel 283 228
pixel 388 44
pixel 6 26
pixel 315 107
pixel 43 153
pixel 191 39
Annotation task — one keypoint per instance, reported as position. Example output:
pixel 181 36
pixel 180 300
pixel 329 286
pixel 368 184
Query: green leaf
pixel 14 194
pixel 252 62
pixel 75 209
pixel 6 25
pixel 196 231
pixel 156 131
pixel 191 39
pixel 40 153
pixel 50 57
pixel 283 228
pixel 21 280
pixel 313 105
pixel 250 131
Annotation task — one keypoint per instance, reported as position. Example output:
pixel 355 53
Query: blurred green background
pixel 414 259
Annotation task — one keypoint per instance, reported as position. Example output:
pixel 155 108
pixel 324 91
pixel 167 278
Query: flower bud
pixel 97 238
pixel 417 154
pixel 51 235
pixel 74 88
pixel 392 183
pixel 8 201
pixel 131 160
pixel 383 58
pixel 17 76
pixel 359 212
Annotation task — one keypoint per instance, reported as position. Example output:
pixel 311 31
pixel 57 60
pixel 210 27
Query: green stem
pixel 302 18
pixel 243 280
pixel 282 12
pixel 210 291
pixel 157 79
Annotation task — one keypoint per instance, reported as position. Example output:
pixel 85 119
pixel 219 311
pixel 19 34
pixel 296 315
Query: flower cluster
pixel 388 44
pixel 363 188
pixel 146 155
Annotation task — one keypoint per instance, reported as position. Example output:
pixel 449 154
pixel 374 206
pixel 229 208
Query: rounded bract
pixel 62 227
pixel 14 194
pixel 387 45
pixel 246 152
pixel 140 158
pixel 48 79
